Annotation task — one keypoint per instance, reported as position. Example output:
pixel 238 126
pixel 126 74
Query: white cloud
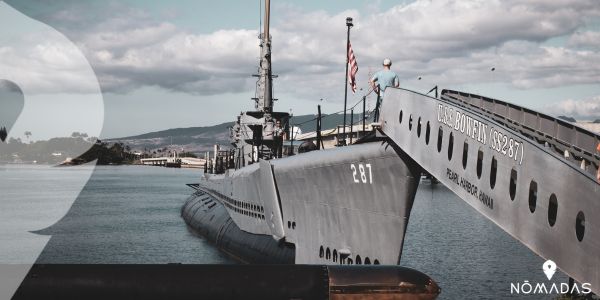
pixel 585 39
pixel 198 64
pixel 39 59
pixel 449 42
pixel 586 109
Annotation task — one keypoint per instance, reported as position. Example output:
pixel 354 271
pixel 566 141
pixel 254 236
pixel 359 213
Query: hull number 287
pixel 362 173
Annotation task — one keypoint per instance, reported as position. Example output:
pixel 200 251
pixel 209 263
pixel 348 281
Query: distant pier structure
pixel 174 161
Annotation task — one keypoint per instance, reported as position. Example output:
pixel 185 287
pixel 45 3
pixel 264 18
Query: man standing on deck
pixel 384 78
pixel 278 134
pixel 381 80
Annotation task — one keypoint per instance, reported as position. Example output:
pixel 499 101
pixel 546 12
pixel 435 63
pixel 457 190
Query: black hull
pixel 207 217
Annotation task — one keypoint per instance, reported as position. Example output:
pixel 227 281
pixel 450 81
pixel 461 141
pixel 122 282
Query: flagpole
pixel 349 25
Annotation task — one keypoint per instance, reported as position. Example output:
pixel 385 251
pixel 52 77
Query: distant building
pixel 331 137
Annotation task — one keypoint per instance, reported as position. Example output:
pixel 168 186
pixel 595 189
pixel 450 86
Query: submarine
pixel 350 205
pixel 260 205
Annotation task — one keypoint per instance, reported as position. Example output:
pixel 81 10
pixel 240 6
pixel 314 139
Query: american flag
pixel 353 68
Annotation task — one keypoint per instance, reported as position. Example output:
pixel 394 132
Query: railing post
pixel 376 116
pixel 351 124
pixel 319 127
pixel 364 113
pixel 292 140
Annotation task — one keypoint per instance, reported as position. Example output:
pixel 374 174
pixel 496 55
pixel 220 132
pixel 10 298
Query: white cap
pixel 387 62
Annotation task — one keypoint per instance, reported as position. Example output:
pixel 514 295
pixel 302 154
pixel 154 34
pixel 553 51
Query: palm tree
pixel 27 135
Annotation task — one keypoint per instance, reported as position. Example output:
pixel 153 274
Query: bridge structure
pixel 189 162
pixel 158 161
pixel 529 173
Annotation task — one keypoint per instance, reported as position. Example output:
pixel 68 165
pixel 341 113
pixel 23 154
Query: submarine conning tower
pixel 253 135
pixel 531 174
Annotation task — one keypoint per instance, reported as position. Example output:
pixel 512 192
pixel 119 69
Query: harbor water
pixel 131 214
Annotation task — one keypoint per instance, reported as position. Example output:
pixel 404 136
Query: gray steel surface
pixel 530 191
pixel 208 217
pixel 560 135
pixel 344 205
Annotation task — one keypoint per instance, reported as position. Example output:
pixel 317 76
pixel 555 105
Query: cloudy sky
pixel 188 63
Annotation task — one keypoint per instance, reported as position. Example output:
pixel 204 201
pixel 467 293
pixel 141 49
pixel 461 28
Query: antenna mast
pixel 265 97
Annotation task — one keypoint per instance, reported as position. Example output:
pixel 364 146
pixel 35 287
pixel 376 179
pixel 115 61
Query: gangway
pixel 529 173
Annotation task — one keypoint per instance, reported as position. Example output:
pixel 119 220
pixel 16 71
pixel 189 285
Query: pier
pixel 174 162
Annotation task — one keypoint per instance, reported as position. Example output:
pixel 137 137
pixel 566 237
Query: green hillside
pixel 201 139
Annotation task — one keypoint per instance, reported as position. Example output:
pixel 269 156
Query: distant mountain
pixel 568 119
pixel 309 123
pixel 192 139
pixel 178 132
pixel 201 139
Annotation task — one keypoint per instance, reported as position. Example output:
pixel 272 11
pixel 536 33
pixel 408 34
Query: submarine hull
pixel 348 205
pixel 207 217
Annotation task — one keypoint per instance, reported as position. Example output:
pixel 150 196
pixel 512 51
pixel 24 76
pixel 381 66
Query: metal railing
pixel 577 145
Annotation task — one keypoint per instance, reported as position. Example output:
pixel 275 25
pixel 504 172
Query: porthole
pixel 493 171
pixel 376 262
pixel 580 226
pixel 532 196
pixel 367 261
pixel 321 252
pixel 419 127
pixel 410 122
pixel 293 225
pixel 440 138
pixel 334 255
pixel 512 187
pixel 552 210
pixel 427 133
pixel 450 146
pixel 289 224
pixel 358 260
pixel 349 261
pixel 465 154
pixel 400 118
pixel 327 254
pixel 479 163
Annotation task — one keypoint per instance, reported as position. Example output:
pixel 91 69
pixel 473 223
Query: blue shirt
pixel 385 78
